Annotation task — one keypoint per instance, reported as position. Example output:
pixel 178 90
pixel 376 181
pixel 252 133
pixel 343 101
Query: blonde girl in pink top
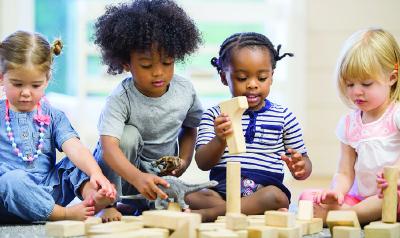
pixel 367 78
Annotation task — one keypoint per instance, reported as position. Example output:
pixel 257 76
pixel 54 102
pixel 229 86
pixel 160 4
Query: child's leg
pixel 266 198
pixel 202 199
pixel 368 210
pixel 22 197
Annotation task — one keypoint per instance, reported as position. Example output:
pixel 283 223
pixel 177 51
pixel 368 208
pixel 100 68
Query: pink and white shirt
pixel 377 145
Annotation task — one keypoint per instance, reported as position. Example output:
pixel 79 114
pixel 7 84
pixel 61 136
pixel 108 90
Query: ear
pixel 222 75
pixel 126 67
pixel 394 76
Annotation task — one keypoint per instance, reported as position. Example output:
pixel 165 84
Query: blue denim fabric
pixel 29 190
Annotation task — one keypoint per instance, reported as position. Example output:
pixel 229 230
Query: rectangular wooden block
pixel 342 218
pixel 65 228
pixel 382 230
pixel 305 211
pixel 346 232
pixel 310 227
pixel 280 219
pixel 261 232
pixel 236 221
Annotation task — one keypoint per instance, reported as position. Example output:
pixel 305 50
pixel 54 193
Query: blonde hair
pixel 24 48
pixel 368 54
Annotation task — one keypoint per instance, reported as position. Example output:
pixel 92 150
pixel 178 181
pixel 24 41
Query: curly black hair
pixel 246 39
pixel 141 24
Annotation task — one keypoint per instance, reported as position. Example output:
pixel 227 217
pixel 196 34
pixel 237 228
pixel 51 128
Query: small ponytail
pixel 279 57
pixel 57 47
pixel 216 63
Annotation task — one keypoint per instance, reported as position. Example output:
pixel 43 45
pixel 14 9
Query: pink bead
pixel 16 150
pixel 41 129
pixel 10 134
pixel 7 118
pixel 40 146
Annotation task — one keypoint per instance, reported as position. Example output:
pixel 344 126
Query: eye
pixel 146 66
pixel 36 86
pixel 349 85
pixel 262 79
pixel 17 85
pixel 367 84
pixel 168 62
pixel 241 78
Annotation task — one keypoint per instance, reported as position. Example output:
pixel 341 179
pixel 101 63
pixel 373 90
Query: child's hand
pixel 382 184
pixel 180 169
pixel 98 180
pixel 222 126
pixel 147 183
pixel 295 163
pixel 330 197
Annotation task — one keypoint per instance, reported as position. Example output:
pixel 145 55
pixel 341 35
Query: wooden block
pixel 236 221
pixel 183 230
pixel 233 187
pixel 114 227
pixel 211 226
pixel 131 218
pixel 235 108
pixel 382 230
pixel 218 234
pixel 346 232
pixel 242 233
pixel 342 218
pixel 141 233
pixel 261 232
pixel 280 219
pixel 89 222
pixel 65 228
pixel 389 205
pixel 289 232
pixel 173 220
pixel 305 211
pixel 310 227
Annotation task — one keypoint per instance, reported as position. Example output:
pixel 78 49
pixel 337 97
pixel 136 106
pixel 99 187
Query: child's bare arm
pixel 145 183
pixel 83 159
pixel 208 155
pixel 187 140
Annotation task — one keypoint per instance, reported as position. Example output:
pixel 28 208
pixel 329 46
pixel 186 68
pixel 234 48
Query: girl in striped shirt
pixel 273 135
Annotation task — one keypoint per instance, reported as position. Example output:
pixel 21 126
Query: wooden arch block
pixel 235 108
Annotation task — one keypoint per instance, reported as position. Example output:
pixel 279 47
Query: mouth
pixel 158 83
pixel 252 98
pixel 359 101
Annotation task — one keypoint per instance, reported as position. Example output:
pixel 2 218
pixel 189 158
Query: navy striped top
pixel 269 132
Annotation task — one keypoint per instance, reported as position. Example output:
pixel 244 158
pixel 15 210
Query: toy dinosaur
pixel 176 191
pixel 166 164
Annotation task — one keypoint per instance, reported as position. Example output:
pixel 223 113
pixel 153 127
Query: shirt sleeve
pixel 292 134
pixel 194 114
pixel 113 117
pixel 206 128
pixel 62 129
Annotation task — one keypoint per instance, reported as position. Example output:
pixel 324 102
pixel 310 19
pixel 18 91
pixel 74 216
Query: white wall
pixel 328 24
pixel 16 14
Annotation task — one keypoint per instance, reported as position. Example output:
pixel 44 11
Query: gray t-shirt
pixel 158 120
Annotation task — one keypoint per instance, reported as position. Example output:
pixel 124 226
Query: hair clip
pixel 396 66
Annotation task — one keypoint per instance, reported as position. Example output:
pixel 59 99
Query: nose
pixel 357 90
pixel 25 92
pixel 252 83
pixel 157 70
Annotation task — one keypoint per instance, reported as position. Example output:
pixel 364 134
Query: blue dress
pixel 29 190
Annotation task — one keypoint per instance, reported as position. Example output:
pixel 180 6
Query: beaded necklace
pixel 41 120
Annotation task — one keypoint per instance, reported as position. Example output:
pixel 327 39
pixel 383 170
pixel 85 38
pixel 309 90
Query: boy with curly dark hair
pixel 154 112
